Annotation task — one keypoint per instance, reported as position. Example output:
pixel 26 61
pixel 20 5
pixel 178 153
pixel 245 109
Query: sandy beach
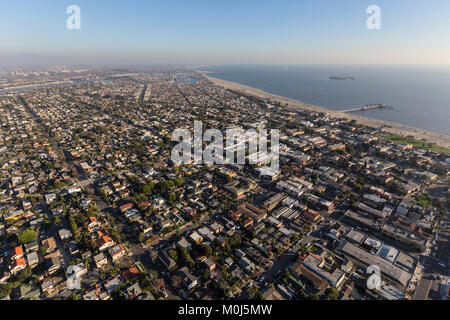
pixel 389 127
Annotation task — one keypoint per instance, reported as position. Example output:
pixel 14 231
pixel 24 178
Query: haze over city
pixel 212 32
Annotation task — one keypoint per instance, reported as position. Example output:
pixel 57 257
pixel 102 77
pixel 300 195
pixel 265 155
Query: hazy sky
pixel 220 32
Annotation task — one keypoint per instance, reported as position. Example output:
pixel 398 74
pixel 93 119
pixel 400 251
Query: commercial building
pixel 253 212
pixel 389 272
pixel 407 238
pixel 315 264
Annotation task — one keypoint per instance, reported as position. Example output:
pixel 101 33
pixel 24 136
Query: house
pixel 404 206
pixel 209 264
pixel 216 227
pixel 91 296
pixel 47 285
pixel 104 295
pixel 196 237
pixel 311 215
pixel 247 265
pixel 27 292
pixel 64 234
pixel 144 205
pixel 57 212
pixel 275 222
pixel 84 203
pixel 93 222
pixel 229 262
pixel 159 284
pixel 188 279
pixel 32 259
pixel 237 272
pixel 104 243
pixel 210 237
pixel 117 252
pixel 221 241
pixel 73 248
pixel 166 260
pixel 100 260
pixel 184 244
pixel 204 232
pixel 26 204
pixel 247 222
pixel 53 265
pixel 31 246
pixel 4 273
pixel 131 274
pixel 112 284
pixel 49 245
pixel 50 197
pixel 16 252
pixel 73 189
pixel 235 214
pixel 132 291
pixel 126 207
pixel 17 265
pixel 144 226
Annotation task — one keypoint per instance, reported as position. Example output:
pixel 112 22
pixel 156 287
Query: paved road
pixel 433 264
pixel 280 264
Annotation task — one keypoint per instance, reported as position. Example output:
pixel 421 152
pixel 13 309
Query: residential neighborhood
pixel 92 207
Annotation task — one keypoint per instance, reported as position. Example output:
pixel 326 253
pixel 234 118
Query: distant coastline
pixel 342 78
pixel 388 127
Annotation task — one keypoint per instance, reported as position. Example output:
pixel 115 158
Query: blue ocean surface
pixel 420 95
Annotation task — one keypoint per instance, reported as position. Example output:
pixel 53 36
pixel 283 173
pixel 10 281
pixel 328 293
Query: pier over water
pixel 368 107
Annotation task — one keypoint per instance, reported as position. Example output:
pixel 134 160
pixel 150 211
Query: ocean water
pixel 420 95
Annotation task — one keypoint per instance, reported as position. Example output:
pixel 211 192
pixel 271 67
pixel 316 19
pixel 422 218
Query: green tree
pixel 206 275
pixel 314 297
pixel 235 240
pixel 252 291
pixel 59 185
pixel 173 254
pixel 73 225
pixel 178 182
pixel 23 275
pixel 27 236
pixel 332 293
pixel 172 198
pixel 75 296
pixel 170 184
pixel 5 290
pixel 148 189
pixel 207 250
pixel 145 283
